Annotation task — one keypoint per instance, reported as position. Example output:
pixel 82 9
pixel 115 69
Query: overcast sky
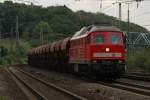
pixel 140 15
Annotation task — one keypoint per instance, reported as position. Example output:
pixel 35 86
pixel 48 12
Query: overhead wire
pixel 140 16
pixel 108 7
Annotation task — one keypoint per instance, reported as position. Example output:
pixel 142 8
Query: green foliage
pixel 139 59
pixel 16 55
pixel 58 19
pixel 3 51
pixel 42 26
pixel 63 24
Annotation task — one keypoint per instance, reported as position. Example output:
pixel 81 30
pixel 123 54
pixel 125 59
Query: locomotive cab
pixel 99 50
pixel 106 52
pixel 107 45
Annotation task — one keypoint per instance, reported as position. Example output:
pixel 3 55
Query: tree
pixel 43 29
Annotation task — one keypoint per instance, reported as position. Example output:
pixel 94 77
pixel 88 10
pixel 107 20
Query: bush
pixel 139 59
pixel 16 55
pixel 147 62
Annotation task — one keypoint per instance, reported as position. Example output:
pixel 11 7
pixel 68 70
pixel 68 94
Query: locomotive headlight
pixel 107 49
pixel 121 62
pixel 94 61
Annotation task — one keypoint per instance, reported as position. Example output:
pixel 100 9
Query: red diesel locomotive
pixel 94 50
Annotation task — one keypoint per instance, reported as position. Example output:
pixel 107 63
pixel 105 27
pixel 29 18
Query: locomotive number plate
pixel 106 54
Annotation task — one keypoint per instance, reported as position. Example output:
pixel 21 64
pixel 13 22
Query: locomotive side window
pixel 99 38
pixel 115 38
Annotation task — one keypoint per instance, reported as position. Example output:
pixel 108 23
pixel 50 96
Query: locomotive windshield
pixel 115 38
pixel 107 37
pixel 99 38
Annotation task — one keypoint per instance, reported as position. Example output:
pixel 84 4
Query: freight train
pixel 94 50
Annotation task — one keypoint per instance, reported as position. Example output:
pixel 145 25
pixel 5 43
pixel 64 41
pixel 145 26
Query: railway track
pixel 137 77
pixel 139 74
pixel 123 85
pixel 40 89
pixel 138 89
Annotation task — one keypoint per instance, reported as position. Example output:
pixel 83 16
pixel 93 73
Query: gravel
pixel 9 90
pixel 91 90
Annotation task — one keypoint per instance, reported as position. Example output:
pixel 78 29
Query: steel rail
pixel 137 77
pixel 32 90
pixel 138 74
pixel 134 85
pixel 66 92
pixel 127 87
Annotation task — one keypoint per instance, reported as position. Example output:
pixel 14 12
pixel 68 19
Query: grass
pixel 139 59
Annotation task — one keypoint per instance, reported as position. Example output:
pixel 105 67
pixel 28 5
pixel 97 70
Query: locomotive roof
pixel 104 28
pixel 86 30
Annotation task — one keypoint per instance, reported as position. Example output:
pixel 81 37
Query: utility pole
pixel 120 13
pixel 120 8
pixel 101 3
pixel 0 42
pixel 41 35
pixel 0 32
pixel 11 39
pixel 17 32
pixel 0 35
pixel 138 2
pixel 129 36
